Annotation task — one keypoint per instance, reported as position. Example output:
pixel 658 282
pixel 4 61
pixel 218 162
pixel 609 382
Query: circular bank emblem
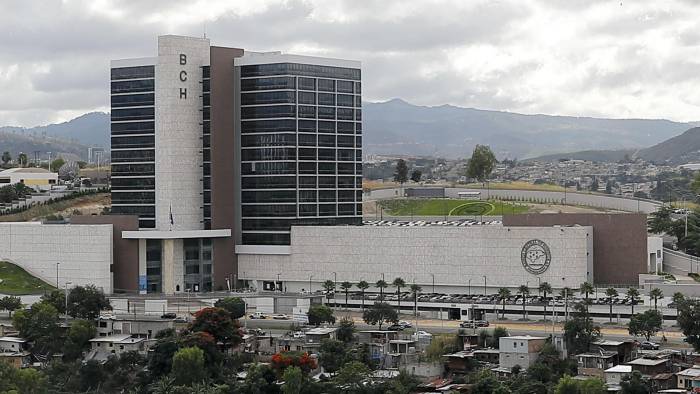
pixel 535 256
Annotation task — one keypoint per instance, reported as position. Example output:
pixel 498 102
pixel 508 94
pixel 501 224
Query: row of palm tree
pixel 329 286
pixel 586 288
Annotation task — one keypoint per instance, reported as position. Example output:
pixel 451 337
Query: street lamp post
pixel 433 275
pixel 310 276
pixel 335 281
pixel 66 296
pixel 278 283
pixel 484 284
pixel 57 286
pixel 470 286
pixel 539 292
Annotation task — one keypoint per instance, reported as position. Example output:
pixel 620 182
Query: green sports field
pixel 449 207
pixel 16 281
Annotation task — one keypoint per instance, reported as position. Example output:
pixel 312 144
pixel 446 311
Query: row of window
pixel 290 97
pixel 304 126
pixel 133 184
pixel 134 210
pixel 133 72
pixel 312 70
pixel 133 169
pixel 292 168
pixel 133 128
pixel 145 141
pixel 271 154
pixel 125 156
pixel 250 211
pixel 137 86
pixel 133 114
pixel 134 198
pixel 331 113
pixel 321 85
pixel 132 100
pixel 290 196
pixel 305 182
pixel 263 140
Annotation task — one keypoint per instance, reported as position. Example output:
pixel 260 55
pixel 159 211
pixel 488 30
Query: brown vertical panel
pixel 125 253
pixel 619 241
pixel 223 101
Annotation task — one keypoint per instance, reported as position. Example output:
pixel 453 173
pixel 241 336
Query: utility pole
pixel 66 296
pixel 57 286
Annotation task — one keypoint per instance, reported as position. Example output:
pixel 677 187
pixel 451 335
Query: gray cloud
pixel 576 57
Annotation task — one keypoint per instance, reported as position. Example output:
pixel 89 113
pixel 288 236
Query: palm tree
pixel 586 289
pixel 611 293
pixel 346 286
pixel 678 299
pixel 633 295
pixel 566 292
pixel 329 287
pixel 655 294
pixel 503 294
pixel 524 291
pixel 363 285
pixel 545 288
pixel 415 289
pixel 398 283
pixel 381 285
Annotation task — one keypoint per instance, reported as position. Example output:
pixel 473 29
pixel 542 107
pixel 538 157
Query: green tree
pixel 586 289
pixel 401 173
pixel 346 330
pixel 580 331
pixel 611 293
pixel 398 283
pixel 260 379
pixel 8 375
pixel 634 384
pixel 363 285
pixel 78 339
pixel 655 294
pixel 415 290
pixel 646 324
pixel 678 299
pixel 481 164
pixel 416 175
pixel 57 298
pixel 381 285
pixel 498 333
pixel 545 288
pixel 235 306
pixel 56 164
pixel 31 381
pixel 333 354
pixel 91 375
pixel 633 295
pixel 161 358
pixel 8 194
pixel 346 286
pixel 293 379
pixel 329 288
pixel 440 345
pixel 567 385
pixel 10 304
pixel 594 185
pixel 86 302
pixel 503 294
pixel 487 383
pixel 319 314
pixel 22 159
pixel 218 323
pixel 352 376
pixel 660 221
pixel 524 291
pixel 39 324
pixel 6 158
pixel 188 366
pixel 379 313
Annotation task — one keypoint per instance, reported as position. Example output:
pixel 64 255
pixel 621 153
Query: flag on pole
pixel 171 215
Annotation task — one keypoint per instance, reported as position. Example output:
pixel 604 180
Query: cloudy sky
pixel 611 58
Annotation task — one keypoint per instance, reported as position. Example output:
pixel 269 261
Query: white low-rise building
pixel 519 350
pixel 103 347
pixel 37 178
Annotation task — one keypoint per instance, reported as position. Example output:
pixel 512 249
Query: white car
pixel 280 316
pixel 258 315
pixel 423 335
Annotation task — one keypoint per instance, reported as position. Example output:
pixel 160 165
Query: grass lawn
pixel 449 207
pixel 17 281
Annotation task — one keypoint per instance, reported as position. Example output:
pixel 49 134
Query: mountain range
pixel 396 127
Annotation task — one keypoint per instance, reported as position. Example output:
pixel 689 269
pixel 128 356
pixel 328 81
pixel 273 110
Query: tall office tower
pixel 301 144
pixel 212 147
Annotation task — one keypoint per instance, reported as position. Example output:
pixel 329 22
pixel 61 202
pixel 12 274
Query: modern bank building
pixel 233 168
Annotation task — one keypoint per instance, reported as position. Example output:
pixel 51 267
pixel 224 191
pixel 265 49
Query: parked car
pixel 649 345
pixel 423 335
pixel 405 324
pixel 395 327
pixel 280 316
pixel 168 315
pixel 474 323
pixel 258 315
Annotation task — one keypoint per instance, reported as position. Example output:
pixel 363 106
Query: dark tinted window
pixel 326 85
pixel 326 113
pixel 345 86
pixel 306 111
pixel 132 100
pixel 326 99
pixel 345 127
pixel 346 100
pixel 133 114
pixel 272 111
pixel 326 140
pixel 268 140
pixel 133 183
pixel 145 85
pixel 269 182
pixel 133 155
pixel 133 128
pixel 268 83
pixel 266 126
pixel 276 210
pixel 268 154
pixel 346 114
pixel 307 98
pixel 300 69
pixel 307 83
pixel 269 196
pixel 268 168
pixel 133 142
pixel 133 72
pixel 267 98
pixel 326 127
